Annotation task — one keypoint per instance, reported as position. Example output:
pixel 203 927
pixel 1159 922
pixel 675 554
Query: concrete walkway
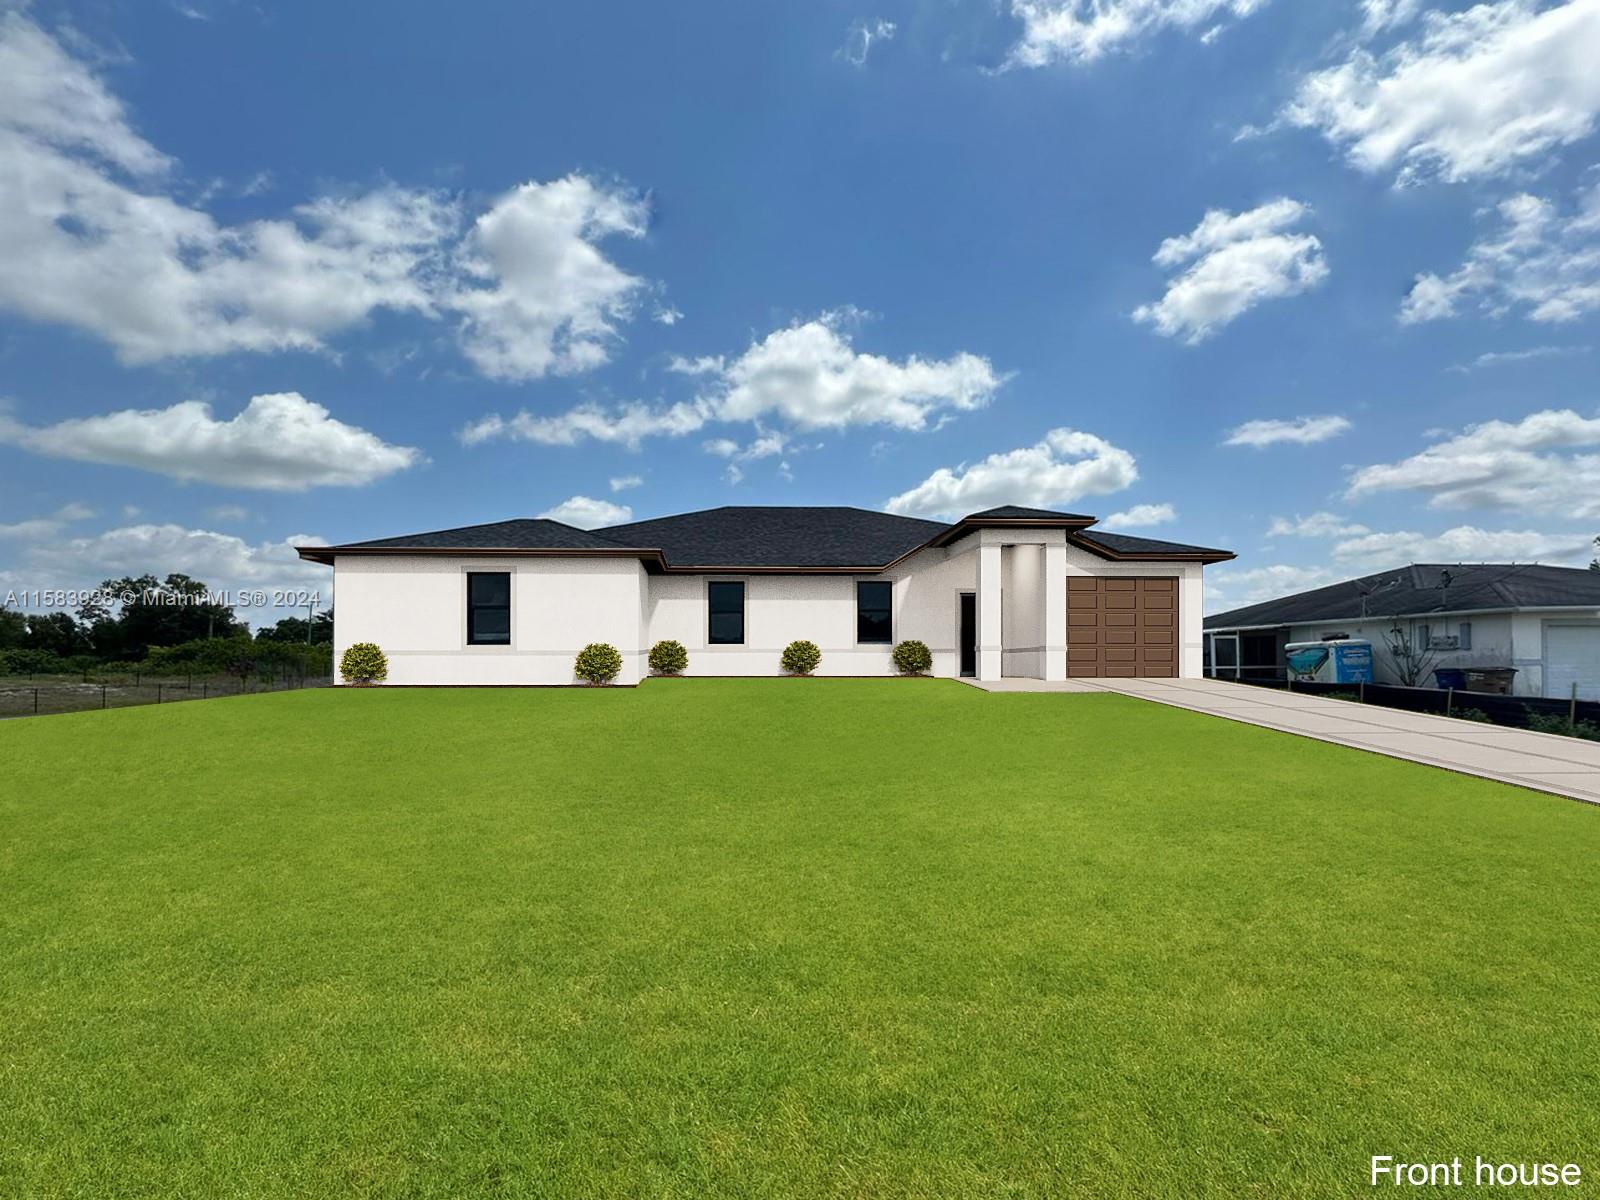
pixel 1544 762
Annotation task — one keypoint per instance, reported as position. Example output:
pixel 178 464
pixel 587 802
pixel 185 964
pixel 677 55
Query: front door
pixel 969 634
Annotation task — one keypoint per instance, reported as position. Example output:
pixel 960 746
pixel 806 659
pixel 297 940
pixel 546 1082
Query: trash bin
pixel 1449 677
pixel 1496 680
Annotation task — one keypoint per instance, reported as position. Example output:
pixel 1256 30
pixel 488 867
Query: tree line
pixel 170 625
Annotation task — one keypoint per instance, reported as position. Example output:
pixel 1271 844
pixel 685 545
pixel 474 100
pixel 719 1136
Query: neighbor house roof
pixel 1423 588
pixel 757 538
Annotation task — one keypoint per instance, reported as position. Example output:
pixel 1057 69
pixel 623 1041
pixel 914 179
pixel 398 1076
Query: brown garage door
pixel 1122 627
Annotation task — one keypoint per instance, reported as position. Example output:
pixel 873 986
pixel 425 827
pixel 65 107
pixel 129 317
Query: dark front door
pixel 969 633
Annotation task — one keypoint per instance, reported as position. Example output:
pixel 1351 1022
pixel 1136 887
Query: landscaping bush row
pixel 239 655
pixel 599 663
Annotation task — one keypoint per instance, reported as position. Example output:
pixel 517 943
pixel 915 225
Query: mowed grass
pixel 771 939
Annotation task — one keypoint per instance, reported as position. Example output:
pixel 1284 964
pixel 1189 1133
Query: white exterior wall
pixel 414 608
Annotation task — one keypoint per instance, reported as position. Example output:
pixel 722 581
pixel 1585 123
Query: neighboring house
pixel 1006 592
pixel 1544 622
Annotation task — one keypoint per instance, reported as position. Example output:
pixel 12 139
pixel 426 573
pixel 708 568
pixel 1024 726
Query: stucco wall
pixel 414 608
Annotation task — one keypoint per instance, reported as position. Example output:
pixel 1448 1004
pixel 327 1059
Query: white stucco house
pixel 1005 592
pixel 1542 622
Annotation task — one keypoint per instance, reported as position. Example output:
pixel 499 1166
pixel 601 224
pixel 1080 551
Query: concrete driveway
pixel 1541 761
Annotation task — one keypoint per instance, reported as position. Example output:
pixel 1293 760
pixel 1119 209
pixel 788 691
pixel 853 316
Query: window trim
pixel 744 613
pixel 467 608
pixel 888 641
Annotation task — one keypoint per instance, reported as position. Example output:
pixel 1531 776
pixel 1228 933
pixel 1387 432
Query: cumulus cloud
pixel 1228 587
pixel 1140 516
pixel 1080 31
pixel 220 560
pixel 1542 263
pixel 1066 465
pixel 1473 94
pixel 1537 464
pixel 1464 543
pixel 808 376
pixel 863 35
pixel 549 299
pixel 278 442
pixel 585 512
pixel 93 238
pixel 1300 431
pixel 1317 525
pixel 1234 262
pixel 621 483
pixel 47 526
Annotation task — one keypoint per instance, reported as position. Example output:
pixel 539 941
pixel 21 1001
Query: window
pixel 1466 636
pixel 874 611
pixel 488 608
pixel 725 601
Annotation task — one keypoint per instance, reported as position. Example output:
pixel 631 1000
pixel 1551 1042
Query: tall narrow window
pixel 874 611
pixel 725 600
pixel 488 608
pixel 1466 635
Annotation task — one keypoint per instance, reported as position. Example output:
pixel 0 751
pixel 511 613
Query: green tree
pixel 56 633
pixel 164 612
pixel 13 629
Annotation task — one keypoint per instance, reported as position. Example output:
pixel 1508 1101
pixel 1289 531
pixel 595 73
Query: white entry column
pixel 1053 595
pixel 989 658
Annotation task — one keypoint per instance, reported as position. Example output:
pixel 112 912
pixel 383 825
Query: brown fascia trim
pixel 1199 556
pixel 968 525
pixel 652 559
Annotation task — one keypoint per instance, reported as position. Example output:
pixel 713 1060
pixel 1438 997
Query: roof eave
pixel 971 524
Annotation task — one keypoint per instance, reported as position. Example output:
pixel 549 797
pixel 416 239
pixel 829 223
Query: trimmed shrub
pixel 801 658
pixel 668 658
pixel 364 664
pixel 597 663
pixel 913 658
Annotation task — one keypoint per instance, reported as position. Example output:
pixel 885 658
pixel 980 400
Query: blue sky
pixel 1319 283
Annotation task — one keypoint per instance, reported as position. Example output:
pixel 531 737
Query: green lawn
pixel 772 939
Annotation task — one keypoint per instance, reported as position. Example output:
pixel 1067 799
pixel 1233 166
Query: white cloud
pixel 1529 465
pixel 1140 516
pixel 1229 587
pixel 1542 263
pixel 220 560
pixel 1380 15
pixel 859 41
pixel 1067 464
pixel 1464 543
pixel 1317 525
pixel 588 513
pixel 550 300
pixel 1237 260
pixel 621 483
pixel 1500 358
pixel 1300 431
pixel 626 426
pixel 1475 93
pixel 808 375
pixel 280 442
pixel 93 238
pixel 1080 31
pixel 38 527
pixel 228 512
pixel 665 314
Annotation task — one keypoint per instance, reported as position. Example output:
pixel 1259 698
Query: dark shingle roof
pixel 755 537
pixel 778 537
pixel 534 533
pixel 1013 512
pixel 1420 588
pixel 1122 543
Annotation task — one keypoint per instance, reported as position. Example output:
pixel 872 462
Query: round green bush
pixel 668 658
pixel 913 658
pixel 801 658
pixel 597 663
pixel 363 664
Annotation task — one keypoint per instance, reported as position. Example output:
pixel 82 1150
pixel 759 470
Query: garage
pixel 1572 656
pixel 1122 627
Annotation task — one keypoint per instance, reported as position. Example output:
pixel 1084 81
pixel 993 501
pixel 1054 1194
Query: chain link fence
pixel 27 696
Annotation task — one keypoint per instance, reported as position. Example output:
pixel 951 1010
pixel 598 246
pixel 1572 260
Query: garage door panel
pixel 1122 627
pixel 1572 658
